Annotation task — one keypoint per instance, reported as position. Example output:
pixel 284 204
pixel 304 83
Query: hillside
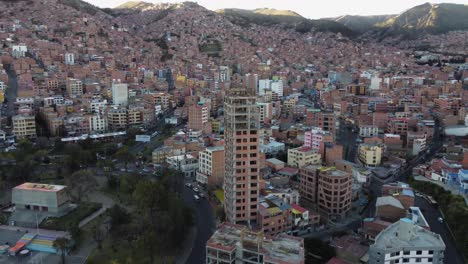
pixel 286 18
pixel 140 5
pixel 428 18
pixel 361 23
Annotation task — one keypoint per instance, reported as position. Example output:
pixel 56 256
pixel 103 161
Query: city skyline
pixel 332 8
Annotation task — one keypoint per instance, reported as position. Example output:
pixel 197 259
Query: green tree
pixel 61 244
pixel 124 155
pixel 80 184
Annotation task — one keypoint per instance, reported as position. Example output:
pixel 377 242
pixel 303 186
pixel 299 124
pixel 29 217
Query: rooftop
pixel 281 248
pixel 406 234
pixel 40 187
pixel 275 161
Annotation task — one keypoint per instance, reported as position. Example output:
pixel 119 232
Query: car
pixel 188 185
pixel 196 189
pixel 196 198
pixel 440 219
pixel 202 195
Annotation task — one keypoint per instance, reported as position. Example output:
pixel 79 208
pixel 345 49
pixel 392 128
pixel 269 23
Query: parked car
pixel 196 198
pixel 188 185
pixel 202 195
pixel 440 219
pixel 196 189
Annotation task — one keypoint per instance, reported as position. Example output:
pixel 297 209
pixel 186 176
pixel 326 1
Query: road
pixel 432 213
pixel 12 91
pixel 204 221
pixel 348 138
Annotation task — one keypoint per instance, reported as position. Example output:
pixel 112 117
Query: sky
pixel 307 8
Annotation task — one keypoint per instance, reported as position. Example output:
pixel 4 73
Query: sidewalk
pixel 36 231
pixel 92 216
pixel 188 246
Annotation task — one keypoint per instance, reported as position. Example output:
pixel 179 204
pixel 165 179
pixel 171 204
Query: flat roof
pixel 282 248
pixel 275 161
pixel 40 187
pixel 405 234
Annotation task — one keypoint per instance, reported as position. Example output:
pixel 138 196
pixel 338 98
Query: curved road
pixel 205 225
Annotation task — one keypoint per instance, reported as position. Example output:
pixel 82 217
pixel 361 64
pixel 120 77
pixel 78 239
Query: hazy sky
pixel 307 8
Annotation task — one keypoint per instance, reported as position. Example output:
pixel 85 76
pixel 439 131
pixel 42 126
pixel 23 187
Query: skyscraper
pixel 241 184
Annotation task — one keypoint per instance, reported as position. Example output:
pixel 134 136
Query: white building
pixel 186 164
pixel 368 131
pixel 272 148
pixel 98 106
pixel 2 135
pixel 53 100
pixel 406 242
pixel 266 111
pixel 98 123
pixel 69 59
pixel 40 197
pixel 419 145
pixel 277 87
pixel 2 86
pixel 211 166
pixel 19 50
pixel 158 110
pixel 119 93
pixel 264 86
pixel 224 74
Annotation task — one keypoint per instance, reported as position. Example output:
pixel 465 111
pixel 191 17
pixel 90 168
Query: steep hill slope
pixel 428 18
pixel 289 19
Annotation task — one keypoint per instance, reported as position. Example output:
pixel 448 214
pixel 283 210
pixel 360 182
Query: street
pixel 432 213
pixel 348 138
pixel 205 225
pixel 12 91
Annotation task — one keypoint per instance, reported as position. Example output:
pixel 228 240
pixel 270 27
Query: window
pixel 406 252
pixel 419 252
pixel 431 252
pixel 429 259
pixel 405 260
pixel 418 260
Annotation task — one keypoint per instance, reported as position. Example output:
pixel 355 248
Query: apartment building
pixel 119 93
pixel 334 193
pixel 69 59
pixel 199 117
pixel 266 111
pixel 97 124
pixel 302 156
pixel 233 243
pixel 74 87
pixel 398 126
pixel 211 166
pixel 242 167
pixel 326 121
pixel 24 126
pixel 370 154
pixel 314 138
pixel 406 242
pixel 187 164
pixel 368 131
pixel 117 118
pixel 309 183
